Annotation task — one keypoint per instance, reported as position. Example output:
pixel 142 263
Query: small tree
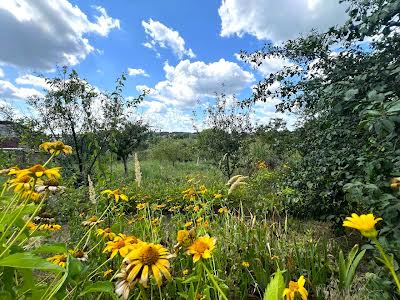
pixel 128 139
pixel 174 150
pixel 222 142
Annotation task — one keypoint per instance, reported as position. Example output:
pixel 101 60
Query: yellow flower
pixel 141 206
pixel 31 226
pixel 182 236
pixel 174 208
pixel 223 210
pixel 116 195
pixel 60 260
pixel 159 206
pixel 31 195
pixel 363 223
pixel 296 287
pixel 218 196
pixel 108 272
pixel 201 248
pixel 121 244
pixel 196 208
pixel 190 194
pixel 203 189
pixel 261 165
pixel 274 257
pixel 38 171
pixel 148 259
pixel 21 183
pixel 49 227
pixel 91 221
pixel 199 220
pixel 106 233
pixel 155 221
pixel 185 272
pixel 56 148
pixel 188 224
pixel 245 264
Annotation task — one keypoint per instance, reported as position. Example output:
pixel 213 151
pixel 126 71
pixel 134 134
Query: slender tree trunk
pixel 125 161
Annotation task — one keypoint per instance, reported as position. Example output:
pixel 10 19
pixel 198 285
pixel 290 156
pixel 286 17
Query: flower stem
pixel 388 262
pixel 215 282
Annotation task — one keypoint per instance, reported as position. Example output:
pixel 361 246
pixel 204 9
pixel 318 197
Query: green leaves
pixel 99 287
pixel 27 260
pixel 275 288
pixel 347 267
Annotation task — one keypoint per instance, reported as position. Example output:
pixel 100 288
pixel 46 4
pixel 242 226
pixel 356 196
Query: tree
pixel 222 141
pixel 174 150
pixel 82 116
pixel 127 139
pixel 345 83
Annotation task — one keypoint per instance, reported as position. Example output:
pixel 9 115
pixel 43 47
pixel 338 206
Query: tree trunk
pixel 125 161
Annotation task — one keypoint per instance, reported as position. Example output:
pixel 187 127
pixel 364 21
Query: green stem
pixel 50 158
pixel 214 282
pixel 143 292
pixel 388 262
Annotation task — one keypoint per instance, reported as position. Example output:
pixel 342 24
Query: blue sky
pixel 182 51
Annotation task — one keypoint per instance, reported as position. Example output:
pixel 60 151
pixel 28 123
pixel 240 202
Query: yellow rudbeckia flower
pixel 116 195
pixel 201 248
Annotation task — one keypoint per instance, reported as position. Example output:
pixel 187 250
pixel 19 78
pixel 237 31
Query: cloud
pixel 41 34
pixel 278 20
pixel 264 112
pixel 188 81
pixel 10 91
pixel 269 64
pixel 1 73
pixel 164 37
pixel 135 72
pixel 32 80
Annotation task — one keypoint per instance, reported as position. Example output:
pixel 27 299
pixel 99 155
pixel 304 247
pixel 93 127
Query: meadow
pixel 171 231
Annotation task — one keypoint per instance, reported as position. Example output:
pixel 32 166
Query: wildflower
pixel 155 221
pixel 106 233
pixel 182 236
pixel 189 194
pixel 395 183
pixel 223 210
pixel 218 196
pixel 123 286
pixel 108 272
pixel 141 206
pixel 138 173
pixel 79 254
pixel 148 258
pixel 49 227
pixel 203 189
pixel 201 248
pixel 51 185
pixel 121 244
pixel 56 148
pixel 188 224
pixel 115 194
pixel 185 272
pixel 274 257
pixel 363 223
pixel 174 208
pixel 296 287
pixel 91 221
pixel 199 220
pixel 60 260
pixel 261 165
pixel 37 171
pixel 196 208
pixel 159 206
pixel 245 264
pixel 21 183
pixel 31 226
pixel 91 191
pixel 31 195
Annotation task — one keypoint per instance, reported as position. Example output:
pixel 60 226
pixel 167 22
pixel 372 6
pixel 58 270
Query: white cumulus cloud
pixel 278 20
pixel 32 80
pixel 165 37
pixel 188 82
pixel 40 34
pixel 136 72
pixel 9 90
